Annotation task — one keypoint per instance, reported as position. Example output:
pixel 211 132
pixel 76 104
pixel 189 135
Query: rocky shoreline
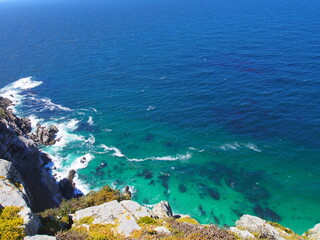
pixel 26 183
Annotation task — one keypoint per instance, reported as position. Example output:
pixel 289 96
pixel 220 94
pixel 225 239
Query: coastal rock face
pixel 136 209
pixel 162 210
pixel 242 234
pixel 257 225
pixel 314 233
pixel 14 195
pixel 111 212
pixel 44 135
pixel 67 185
pixel 29 162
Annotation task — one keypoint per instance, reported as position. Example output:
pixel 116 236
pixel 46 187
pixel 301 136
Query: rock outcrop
pixel 44 135
pixel 313 233
pixel 111 213
pixel 257 225
pixel 162 210
pixel 67 186
pixel 29 162
pixel 13 193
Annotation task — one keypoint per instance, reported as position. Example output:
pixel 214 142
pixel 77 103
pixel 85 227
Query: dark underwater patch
pixel 209 191
pixel 151 182
pixel 149 137
pixel 216 219
pixel 146 174
pixel 101 166
pixel 202 212
pixel 237 212
pixel 164 180
pixel 182 188
pixel 267 214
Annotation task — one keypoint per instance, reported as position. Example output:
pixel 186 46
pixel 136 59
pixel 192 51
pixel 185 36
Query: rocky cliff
pixel 17 147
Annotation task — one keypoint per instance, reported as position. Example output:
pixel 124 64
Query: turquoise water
pixel 210 105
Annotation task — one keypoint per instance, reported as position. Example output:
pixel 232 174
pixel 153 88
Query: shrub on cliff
pixel 55 219
pixel 11 224
pixel 187 231
pixel 2 113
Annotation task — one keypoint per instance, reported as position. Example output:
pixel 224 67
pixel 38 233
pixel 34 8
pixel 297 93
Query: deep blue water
pixel 228 91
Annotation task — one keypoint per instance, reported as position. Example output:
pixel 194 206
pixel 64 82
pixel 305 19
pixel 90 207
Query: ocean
pixel 211 105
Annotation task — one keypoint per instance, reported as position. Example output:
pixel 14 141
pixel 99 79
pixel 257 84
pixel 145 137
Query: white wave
pixel 252 147
pixel 78 163
pixel 48 104
pixel 196 149
pixel 65 133
pixel 150 108
pixel 90 121
pixel 12 91
pixel 116 151
pixel 34 121
pixel 91 140
pixel 95 110
pixel 107 130
pixel 237 146
pixel 165 158
pixel 81 162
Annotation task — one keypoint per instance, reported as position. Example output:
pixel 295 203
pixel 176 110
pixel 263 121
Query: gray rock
pixel 11 195
pixel 22 152
pixel 162 230
pixel 40 237
pixel 110 212
pixel 162 210
pixel 45 135
pixel 242 234
pixel 258 225
pixel 135 209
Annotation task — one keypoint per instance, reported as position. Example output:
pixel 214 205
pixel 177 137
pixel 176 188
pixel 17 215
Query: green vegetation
pixel 188 220
pixel 277 225
pixel 57 219
pixel 147 221
pixel 11 224
pixel 86 220
pixel 2 113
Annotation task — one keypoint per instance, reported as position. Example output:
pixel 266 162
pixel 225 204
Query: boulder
pixel 111 212
pixel 162 210
pixel 257 225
